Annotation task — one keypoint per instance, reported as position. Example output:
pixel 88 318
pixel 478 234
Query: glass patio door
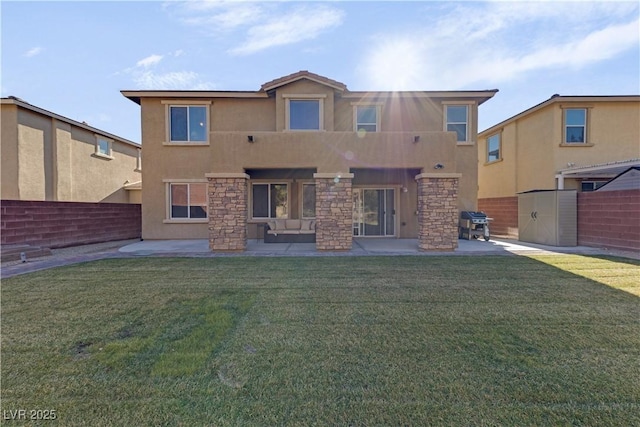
pixel 374 212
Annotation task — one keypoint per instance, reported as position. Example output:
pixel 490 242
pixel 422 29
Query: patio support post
pixel 228 211
pixel 334 211
pixel 438 211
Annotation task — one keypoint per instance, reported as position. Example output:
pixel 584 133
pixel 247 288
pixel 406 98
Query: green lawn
pixel 493 340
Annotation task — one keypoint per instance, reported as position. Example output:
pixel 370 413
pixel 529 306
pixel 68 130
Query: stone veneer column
pixel 228 211
pixel 334 211
pixel 438 211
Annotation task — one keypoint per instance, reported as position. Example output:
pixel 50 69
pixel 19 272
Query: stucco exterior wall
pixel 335 149
pixel 9 139
pixel 44 158
pixel 533 152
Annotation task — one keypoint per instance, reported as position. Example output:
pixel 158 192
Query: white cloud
pixel 302 24
pixel 145 75
pixel 33 52
pixel 261 25
pixel 491 43
pixel 179 80
pixel 149 61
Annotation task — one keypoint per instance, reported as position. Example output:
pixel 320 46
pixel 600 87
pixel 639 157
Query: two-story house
pixel 222 164
pixel 565 142
pixel 49 157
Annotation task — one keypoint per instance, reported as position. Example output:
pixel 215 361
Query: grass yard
pixel 493 340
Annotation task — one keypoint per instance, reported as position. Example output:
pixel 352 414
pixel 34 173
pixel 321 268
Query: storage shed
pixel 548 217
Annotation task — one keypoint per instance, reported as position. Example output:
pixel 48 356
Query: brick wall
pixel 61 224
pixel 609 219
pixel 504 211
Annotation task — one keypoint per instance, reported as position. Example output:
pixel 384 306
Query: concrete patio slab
pixel 361 246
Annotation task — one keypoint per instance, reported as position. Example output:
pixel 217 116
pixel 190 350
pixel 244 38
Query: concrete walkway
pixel 361 247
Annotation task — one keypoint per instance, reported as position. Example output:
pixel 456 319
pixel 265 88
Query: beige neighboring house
pixel 305 154
pixel 565 142
pixel 48 157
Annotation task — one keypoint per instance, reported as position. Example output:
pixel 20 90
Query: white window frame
pixel 168 217
pixel 446 121
pixel 499 136
pixel 302 184
pixel 186 103
pixel 304 97
pixel 565 126
pixel 269 183
pixel 378 108
pixel 98 152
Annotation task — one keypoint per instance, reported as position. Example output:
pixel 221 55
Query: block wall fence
pixel 61 224
pixel 606 219
pixel 609 219
pixel 504 211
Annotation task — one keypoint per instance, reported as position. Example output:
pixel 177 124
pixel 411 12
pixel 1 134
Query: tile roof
pixel 304 74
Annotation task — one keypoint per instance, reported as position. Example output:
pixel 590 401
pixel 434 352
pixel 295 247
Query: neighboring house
pixel 222 164
pixel 48 157
pixel 565 142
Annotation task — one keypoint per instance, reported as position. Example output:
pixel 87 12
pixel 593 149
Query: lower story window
pixel 270 200
pixel 188 201
pixel 591 185
pixel 308 200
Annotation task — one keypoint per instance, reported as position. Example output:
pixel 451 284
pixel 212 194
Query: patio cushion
pixel 292 224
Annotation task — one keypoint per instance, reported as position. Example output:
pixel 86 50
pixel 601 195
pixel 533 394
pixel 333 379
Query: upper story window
pixel 493 148
pixel 103 147
pixel 367 118
pixel 188 123
pixel 304 112
pixel 575 125
pixel 457 120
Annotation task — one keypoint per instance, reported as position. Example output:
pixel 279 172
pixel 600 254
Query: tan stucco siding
pixel 31 164
pixel 51 159
pixel 230 115
pixel 335 149
pixel 613 134
pixel 9 167
pixel 64 160
pixel 499 178
pixel 533 151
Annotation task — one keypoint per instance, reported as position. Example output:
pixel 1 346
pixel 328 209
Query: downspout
pixel 560 181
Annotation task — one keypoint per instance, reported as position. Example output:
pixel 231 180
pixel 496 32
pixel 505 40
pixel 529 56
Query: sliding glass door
pixel 374 212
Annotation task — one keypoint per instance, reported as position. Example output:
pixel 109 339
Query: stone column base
pixel 228 208
pixel 438 212
pixel 334 211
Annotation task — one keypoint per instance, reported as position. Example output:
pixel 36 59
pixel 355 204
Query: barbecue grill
pixel 473 225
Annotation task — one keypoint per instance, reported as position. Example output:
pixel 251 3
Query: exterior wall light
pixel 438 166
pixel 250 138
pixel 416 139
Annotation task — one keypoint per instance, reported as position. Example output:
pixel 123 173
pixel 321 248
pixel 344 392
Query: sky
pixel 74 58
